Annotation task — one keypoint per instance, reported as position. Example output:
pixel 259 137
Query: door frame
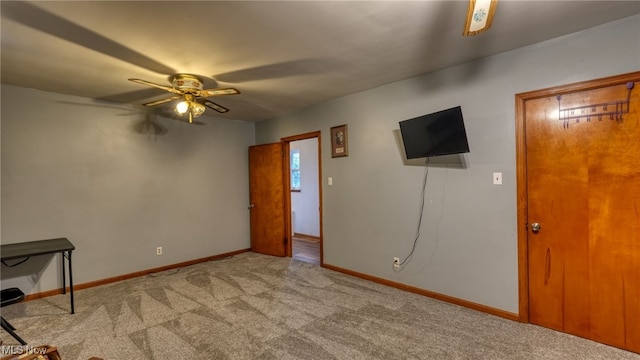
pixel 521 172
pixel 287 183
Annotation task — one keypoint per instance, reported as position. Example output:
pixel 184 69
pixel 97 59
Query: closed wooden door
pixel 266 193
pixel 583 212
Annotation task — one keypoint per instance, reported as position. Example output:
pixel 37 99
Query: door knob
pixel 251 206
pixel 535 227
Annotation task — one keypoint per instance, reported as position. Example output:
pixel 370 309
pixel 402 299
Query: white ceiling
pixel 281 55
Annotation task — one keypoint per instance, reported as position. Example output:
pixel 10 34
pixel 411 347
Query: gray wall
pixel 87 171
pixel 468 244
pixel 306 203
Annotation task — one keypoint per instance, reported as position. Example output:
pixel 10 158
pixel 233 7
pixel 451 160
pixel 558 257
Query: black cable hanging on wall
pixel 420 216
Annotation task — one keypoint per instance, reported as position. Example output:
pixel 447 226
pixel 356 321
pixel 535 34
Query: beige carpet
pixel 259 307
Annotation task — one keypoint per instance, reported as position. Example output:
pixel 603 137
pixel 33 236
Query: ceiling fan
pixel 190 88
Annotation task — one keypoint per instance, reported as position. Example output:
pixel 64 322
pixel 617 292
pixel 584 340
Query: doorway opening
pixel 303 203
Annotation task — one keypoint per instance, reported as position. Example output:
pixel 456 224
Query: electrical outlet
pixel 159 250
pixel 497 178
pixel 396 262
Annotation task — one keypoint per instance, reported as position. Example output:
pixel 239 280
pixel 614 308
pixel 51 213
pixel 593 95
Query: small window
pixel 295 170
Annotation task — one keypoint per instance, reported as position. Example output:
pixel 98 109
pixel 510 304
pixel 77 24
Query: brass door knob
pixel 535 227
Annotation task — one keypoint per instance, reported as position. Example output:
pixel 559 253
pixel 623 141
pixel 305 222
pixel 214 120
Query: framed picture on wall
pixel 339 141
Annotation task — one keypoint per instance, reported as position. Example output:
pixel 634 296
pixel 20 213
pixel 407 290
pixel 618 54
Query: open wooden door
pixel 583 210
pixel 267 197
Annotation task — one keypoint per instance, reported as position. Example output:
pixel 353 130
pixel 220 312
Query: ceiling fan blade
pixel 163 87
pixel 162 101
pixel 218 92
pixel 214 106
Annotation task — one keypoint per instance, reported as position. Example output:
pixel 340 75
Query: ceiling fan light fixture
pixel 479 16
pixel 182 107
pixel 189 106
pixel 197 109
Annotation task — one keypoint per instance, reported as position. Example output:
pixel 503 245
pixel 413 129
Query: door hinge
pixel 285 241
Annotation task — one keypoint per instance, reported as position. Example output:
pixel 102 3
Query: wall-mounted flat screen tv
pixel 439 133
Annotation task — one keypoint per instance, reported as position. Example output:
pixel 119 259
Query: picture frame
pixel 339 141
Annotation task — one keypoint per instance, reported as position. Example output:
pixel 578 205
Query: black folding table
pixel 25 250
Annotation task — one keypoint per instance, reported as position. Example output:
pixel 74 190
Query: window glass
pixel 295 170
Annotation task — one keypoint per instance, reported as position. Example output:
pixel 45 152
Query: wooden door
pixel 266 193
pixel 583 189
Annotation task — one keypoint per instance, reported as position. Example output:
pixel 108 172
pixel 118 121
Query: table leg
pixel 64 278
pixel 73 311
